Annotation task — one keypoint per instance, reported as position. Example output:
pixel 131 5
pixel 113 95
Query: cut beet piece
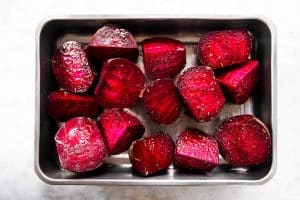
pixel 62 106
pixel 71 68
pixel 224 48
pixel 120 84
pixel 119 129
pixel 162 101
pixel 152 154
pixel 110 41
pixel 201 93
pixel 163 57
pixel 238 83
pixel 244 140
pixel 79 145
pixel 195 150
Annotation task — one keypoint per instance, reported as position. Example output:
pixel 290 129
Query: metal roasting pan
pixel 53 31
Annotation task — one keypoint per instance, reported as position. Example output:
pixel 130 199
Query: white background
pixel 18 22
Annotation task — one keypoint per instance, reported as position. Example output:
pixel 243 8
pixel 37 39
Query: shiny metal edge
pixel 133 182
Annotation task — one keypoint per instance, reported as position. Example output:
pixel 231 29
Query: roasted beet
pixel 62 106
pixel 110 41
pixel 201 93
pixel 79 145
pixel 163 57
pixel 243 140
pixel 223 48
pixel 195 150
pixel 120 84
pixel 162 101
pixel 239 82
pixel 71 68
pixel 152 154
pixel 119 129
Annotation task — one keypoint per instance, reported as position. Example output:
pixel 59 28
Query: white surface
pixel 18 21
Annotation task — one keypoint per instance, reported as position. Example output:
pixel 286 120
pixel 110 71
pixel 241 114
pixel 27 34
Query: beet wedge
pixel 119 129
pixel 219 49
pixel 110 41
pixel 162 101
pixel 71 68
pixel 239 82
pixel 79 145
pixel 195 150
pixel 163 57
pixel 243 140
pixel 152 154
pixel 201 93
pixel 62 106
pixel 120 84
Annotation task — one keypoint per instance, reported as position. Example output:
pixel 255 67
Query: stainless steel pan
pixel 53 31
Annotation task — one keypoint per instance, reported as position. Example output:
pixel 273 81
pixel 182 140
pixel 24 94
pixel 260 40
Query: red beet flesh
pixel 238 83
pixel 62 106
pixel 243 140
pixel 120 84
pixel 152 154
pixel 111 41
pixel 119 129
pixel 195 150
pixel 162 101
pixel 201 93
pixel 224 48
pixel 163 57
pixel 79 145
pixel 71 68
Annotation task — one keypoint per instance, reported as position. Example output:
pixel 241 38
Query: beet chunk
pixel 163 57
pixel 152 154
pixel 195 150
pixel 71 68
pixel 162 101
pixel 239 82
pixel 219 49
pixel 120 84
pixel 79 145
pixel 119 129
pixel 201 93
pixel 62 106
pixel 110 41
pixel 243 140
